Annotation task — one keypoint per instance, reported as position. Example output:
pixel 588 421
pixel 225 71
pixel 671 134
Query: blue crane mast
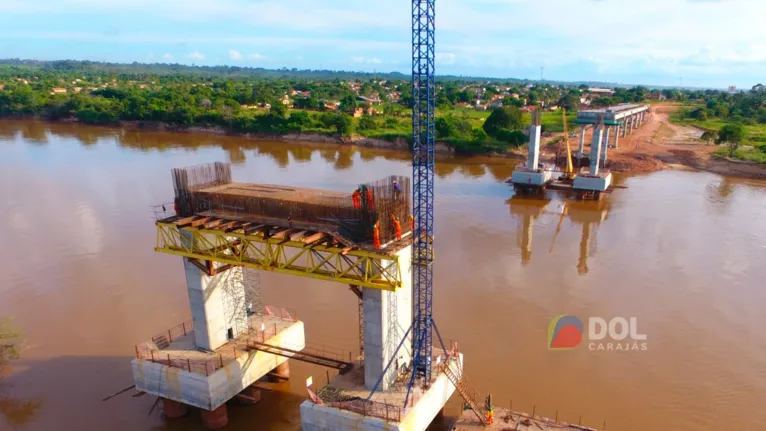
pixel 423 133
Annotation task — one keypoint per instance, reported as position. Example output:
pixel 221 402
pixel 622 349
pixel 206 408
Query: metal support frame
pixel 358 292
pixel 424 107
pixel 358 267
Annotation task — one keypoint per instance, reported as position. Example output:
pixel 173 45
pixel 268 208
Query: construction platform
pixel 506 420
pixel 173 367
pixel 343 404
pixel 209 190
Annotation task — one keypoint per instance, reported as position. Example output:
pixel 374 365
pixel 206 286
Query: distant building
pixel 371 101
pixel 58 90
pixel 603 91
pixel 358 112
pixel 481 107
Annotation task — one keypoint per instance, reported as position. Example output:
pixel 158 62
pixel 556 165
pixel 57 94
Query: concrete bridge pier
pixel 617 136
pixel 386 317
pixel 582 145
pixel 605 145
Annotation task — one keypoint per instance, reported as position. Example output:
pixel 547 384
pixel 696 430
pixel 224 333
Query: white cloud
pixel 235 55
pixel 677 40
pixel 195 56
pixel 256 56
pixel 445 57
pixel 167 56
pixel 366 60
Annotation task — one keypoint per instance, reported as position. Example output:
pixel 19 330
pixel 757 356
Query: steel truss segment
pixel 357 267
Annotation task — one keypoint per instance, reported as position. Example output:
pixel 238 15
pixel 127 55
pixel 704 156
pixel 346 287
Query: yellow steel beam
pixel 357 267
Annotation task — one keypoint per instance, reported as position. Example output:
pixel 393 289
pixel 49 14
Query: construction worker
pixel 376 235
pixel 412 223
pixel 397 227
pixel 357 197
pixel 370 199
pixel 490 410
pixel 397 190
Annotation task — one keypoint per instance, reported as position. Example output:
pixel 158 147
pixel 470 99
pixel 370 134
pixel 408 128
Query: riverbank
pixel 658 145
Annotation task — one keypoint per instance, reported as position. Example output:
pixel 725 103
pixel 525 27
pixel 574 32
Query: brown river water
pixel 682 252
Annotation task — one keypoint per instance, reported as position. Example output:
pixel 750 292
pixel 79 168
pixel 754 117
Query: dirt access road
pixel 658 145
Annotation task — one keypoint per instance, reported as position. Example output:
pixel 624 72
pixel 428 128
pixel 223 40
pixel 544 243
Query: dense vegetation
pixel 278 102
pixel 737 121
pixel 256 104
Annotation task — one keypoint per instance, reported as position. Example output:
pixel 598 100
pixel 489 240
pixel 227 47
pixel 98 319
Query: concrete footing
pixel 280 373
pixel 424 406
pixel 173 409
pixel 215 419
pixel 249 396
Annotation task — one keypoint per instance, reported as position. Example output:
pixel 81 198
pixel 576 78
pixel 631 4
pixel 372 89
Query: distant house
pixel 250 106
pixel 371 111
pixel 358 112
pixel 553 108
pixel 495 104
pixel 286 101
pixel 369 100
pixel 2 86
pixel 656 96
pixel 481 107
pixel 602 91
pixel 143 86
pixel 77 89
pixel 58 90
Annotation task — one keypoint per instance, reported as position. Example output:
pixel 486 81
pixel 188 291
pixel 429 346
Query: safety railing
pixel 388 412
pixel 154 350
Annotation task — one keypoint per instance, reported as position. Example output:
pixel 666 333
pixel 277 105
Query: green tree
pixel 731 135
pixel 348 104
pixel 479 135
pixel 367 123
pixel 506 117
pixel 569 101
pixel 514 138
pixel 278 109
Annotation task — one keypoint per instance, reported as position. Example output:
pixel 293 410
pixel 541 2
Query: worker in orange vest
pixel 357 197
pixel 412 223
pixel 376 235
pixel 397 227
pixel 370 200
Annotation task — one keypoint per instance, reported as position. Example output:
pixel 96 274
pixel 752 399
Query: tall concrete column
pixel 630 125
pixel 624 127
pixel 605 145
pixel 534 141
pixel 217 305
pixel 595 149
pixel 617 136
pixel 387 316
pixel 582 145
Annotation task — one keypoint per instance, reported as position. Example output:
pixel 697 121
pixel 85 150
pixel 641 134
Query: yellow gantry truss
pixel 299 252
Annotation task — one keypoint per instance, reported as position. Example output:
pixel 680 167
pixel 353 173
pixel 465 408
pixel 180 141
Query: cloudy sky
pixel 665 42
